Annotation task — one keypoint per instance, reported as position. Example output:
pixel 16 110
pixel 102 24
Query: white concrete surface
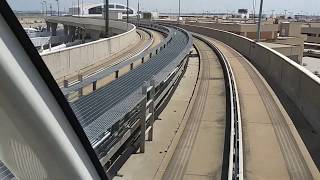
pixel 69 61
pixel 312 64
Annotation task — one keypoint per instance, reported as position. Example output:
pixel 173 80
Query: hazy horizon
pixel 292 6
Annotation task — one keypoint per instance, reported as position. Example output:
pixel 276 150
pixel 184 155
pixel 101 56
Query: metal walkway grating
pixel 5 173
pixel 98 111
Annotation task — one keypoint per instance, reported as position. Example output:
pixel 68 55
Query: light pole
pixel 179 12
pixel 58 7
pixel 138 12
pixel 127 12
pixel 259 23
pixel 42 8
pixel 272 13
pixel 285 14
pixel 254 11
pixel 78 8
pixel 72 13
pixel 45 3
pixel 106 17
pixel 82 8
pixel 50 9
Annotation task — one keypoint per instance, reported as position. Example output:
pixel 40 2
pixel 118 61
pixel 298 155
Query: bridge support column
pixel 54 29
pixel 83 35
pixel 94 86
pixel 80 79
pixel 66 85
pixel 131 66
pixel 48 26
pixel 66 33
pixel 117 74
pixel 72 32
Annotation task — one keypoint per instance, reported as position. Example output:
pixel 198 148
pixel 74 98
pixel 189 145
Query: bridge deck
pixel 98 111
pixel 271 150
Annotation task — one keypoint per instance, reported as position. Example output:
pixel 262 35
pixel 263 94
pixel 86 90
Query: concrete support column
pixel 80 79
pixel 83 35
pixel 94 86
pixel 66 33
pixel 48 26
pixel 72 32
pixel 117 74
pixel 245 34
pixel 273 35
pixel 131 66
pixel 54 29
pixel 66 85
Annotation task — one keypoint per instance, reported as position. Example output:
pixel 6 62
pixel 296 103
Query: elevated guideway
pixel 116 27
pixel 123 121
pixel 207 140
pixel 294 85
pixel 146 41
pixel 234 119
pixel 268 130
pixel 122 91
pixel 200 150
pixel 70 61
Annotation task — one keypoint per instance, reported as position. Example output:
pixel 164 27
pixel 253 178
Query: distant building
pixel 268 31
pixel 285 38
pixel 116 11
pixel 149 15
pixel 244 13
pixel 312 31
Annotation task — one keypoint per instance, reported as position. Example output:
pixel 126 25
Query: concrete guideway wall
pixel 70 61
pixel 300 85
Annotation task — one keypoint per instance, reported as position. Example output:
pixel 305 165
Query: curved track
pixel 147 40
pixel 194 157
pixel 271 150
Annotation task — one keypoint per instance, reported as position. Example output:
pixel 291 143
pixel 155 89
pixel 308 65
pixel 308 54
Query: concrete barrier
pixel 284 75
pixel 69 61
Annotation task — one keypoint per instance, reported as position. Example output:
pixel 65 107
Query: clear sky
pixel 310 7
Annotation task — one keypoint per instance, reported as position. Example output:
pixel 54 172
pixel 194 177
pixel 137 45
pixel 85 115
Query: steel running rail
pixel 235 157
